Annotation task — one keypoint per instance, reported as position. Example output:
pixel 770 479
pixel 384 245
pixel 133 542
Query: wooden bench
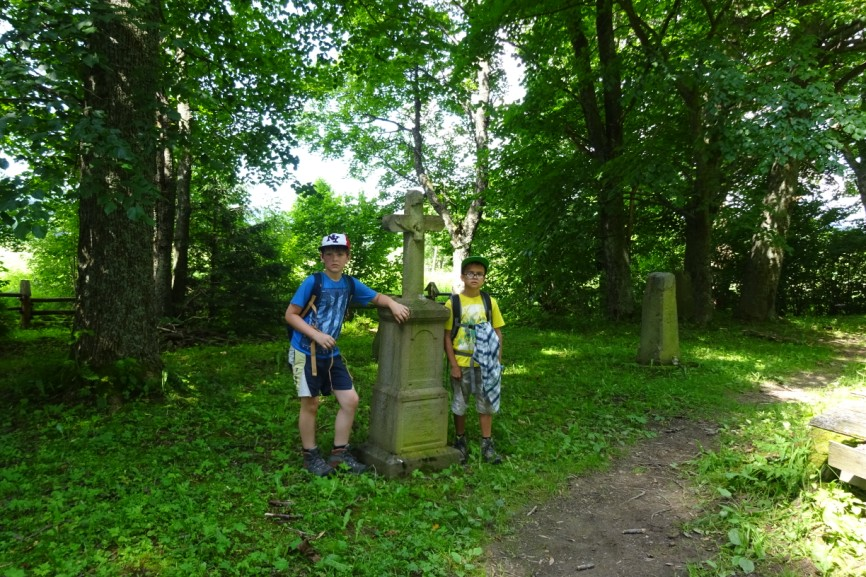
pixel 847 419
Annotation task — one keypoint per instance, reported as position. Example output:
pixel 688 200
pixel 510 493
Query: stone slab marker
pixel 659 331
pixel 410 408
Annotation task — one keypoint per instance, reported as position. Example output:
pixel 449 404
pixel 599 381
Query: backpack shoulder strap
pixel 315 294
pixel 352 280
pixel 456 314
pixel 488 306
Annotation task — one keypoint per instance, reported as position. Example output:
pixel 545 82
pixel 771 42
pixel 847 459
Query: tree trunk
pixel 855 156
pixel 164 216
pixel 604 125
pixel 114 315
pixel 696 265
pixel 699 213
pixel 616 281
pixel 761 282
pixel 457 257
pixel 706 195
pixel 184 210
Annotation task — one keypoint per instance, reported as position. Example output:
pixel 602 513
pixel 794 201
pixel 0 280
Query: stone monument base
pixel 390 465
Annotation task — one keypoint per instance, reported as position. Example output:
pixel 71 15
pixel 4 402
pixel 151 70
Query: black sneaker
pixel 315 464
pixel 460 445
pixel 343 459
pixel 489 453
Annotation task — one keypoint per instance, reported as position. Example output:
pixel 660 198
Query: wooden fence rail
pixel 27 301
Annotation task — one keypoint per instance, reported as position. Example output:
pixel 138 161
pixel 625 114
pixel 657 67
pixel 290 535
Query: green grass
pixel 179 484
pixel 777 507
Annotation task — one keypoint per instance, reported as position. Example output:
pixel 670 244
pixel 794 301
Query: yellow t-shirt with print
pixel 471 313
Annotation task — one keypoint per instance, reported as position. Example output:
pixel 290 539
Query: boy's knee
pixel 309 404
pixel 348 400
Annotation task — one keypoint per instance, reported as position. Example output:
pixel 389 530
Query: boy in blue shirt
pixel 317 366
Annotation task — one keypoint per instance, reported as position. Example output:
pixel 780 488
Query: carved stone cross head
pixel 413 223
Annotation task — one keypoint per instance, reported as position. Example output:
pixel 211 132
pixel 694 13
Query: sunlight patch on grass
pixel 553 352
pixel 515 370
pixel 710 354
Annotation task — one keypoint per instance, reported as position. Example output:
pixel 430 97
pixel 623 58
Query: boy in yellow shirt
pixel 466 377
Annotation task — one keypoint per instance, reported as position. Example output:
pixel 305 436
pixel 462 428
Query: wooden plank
pixel 40 312
pixel 850 461
pixel 854 405
pixel 53 300
pixel 843 420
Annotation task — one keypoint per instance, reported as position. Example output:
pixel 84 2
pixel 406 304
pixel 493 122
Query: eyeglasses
pixel 473 274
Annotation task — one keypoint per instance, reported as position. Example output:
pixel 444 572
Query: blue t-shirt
pixel 331 307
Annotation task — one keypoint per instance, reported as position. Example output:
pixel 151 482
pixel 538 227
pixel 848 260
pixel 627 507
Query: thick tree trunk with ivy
pixel 761 280
pixel 114 317
pixel 616 279
pixel 600 99
pixel 696 265
pixel 164 217
pixel 699 214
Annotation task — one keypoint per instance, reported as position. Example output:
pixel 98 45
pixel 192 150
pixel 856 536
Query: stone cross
pixel 413 223
pixel 409 412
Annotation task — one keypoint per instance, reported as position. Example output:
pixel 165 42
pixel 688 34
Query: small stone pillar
pixel 659 333
pixel 410 407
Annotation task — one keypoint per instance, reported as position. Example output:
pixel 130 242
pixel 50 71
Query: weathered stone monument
pixel 410 409
pixel 659 331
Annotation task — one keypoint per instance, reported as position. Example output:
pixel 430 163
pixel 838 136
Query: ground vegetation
pixel 203 476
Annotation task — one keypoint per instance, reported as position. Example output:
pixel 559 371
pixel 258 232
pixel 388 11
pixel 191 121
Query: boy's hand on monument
pixel 400 311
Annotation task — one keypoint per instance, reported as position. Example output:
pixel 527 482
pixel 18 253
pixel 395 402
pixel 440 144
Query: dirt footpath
pixel 627 521
pixel 624 521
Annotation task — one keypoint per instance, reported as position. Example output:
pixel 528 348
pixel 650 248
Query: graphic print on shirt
pixel 472 314
pixel 331 309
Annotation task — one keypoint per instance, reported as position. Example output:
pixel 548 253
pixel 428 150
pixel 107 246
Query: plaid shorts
pixel 469 384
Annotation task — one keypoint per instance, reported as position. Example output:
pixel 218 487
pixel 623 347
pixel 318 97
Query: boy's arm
pixel 456 371
pixel 293 317
pixel 400 311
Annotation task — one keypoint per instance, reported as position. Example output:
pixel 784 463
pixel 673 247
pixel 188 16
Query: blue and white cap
pixel 335 239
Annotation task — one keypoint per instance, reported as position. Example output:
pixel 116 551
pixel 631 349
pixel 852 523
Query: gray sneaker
pixel 315 464
pixel 343 459
pixel 460 445
pixel 489 452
